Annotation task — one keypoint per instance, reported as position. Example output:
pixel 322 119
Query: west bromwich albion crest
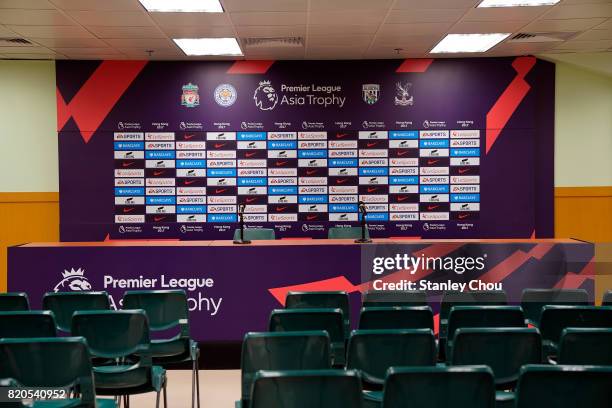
pixel 190 97
pixel 371 92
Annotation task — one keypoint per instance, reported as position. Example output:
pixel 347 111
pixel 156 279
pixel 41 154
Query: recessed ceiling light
pixel 516 3
pixel 209 46
pixel 468 42
pixel 183 6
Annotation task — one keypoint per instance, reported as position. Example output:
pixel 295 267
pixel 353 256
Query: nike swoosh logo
pixel 128 164
pixel 341 181
pixel 371 144
pixel 220 190
pixel 189 182
pixel 127 210
pixel 250 154
pixel 250 200
pixel 279 209
pixel 371 190
pixel 401 198
pixel 341 135
pixel 432 207
pixel 157 219
pixel 463 171
pixel 189 137
pixel 219 145
pixel 158 173
pixel 462 216
pixel 402 153
pixel 281 163
pixel 311 217
pixel 311 172
pixel 431 162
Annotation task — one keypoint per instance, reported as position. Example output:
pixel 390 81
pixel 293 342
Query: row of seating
pixel 126 360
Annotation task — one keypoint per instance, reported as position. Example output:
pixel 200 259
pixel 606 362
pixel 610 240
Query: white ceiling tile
pixel 190 19
pixel 140 43
pixel 36 56
pixel 96 57
pixel 593 35
pixel 110 18
pixel 505 13
pixel 157 52
pixel 389 53
pixel 268 18
pixel 51 31
pixel 585 45
pixel 323 29
pixel 27 4
pixel 267 53
pixel 606 25
pixel 575 24
pixel 474 27
pixel 417 28
pixel 584 1
pixel 202 31
pixel 87 51
pixel 405 41
pixel 23 50
pixel 5 32
pixel 423 16
pixel 435 4
pixel 339 40
pixel 522 48
pixel 33 17
pixel 126 32
pixel 579 11
pixel 406 46
pixel 347 17
pixel 69 42
pixel 101 5
pixel 352 5
pixel 271 31
pixel 265 5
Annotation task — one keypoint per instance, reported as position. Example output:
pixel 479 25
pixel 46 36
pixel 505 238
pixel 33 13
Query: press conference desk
pixel 232 288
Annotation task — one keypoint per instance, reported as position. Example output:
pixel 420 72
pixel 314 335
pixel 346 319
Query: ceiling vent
pixel 542 37
pixel 18 41
pixel 273 42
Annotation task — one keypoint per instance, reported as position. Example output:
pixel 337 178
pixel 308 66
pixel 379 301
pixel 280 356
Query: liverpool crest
pixel 371 92
pixel 190 97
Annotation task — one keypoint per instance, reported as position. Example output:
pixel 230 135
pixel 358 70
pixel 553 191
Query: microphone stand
pixel 364 226
pixel 241 241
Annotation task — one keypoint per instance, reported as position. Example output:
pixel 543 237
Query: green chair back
pixel 504 350
pixel 533 300
pixel 386 298
pixel 484 316
pixel 563 386
pixel 165 308
pixel 439 387
pixel 64 304
pixel 49 362
pixel 14 301
pixel 300 350
pixel 585 346
pixel 22 324
pixel 346 233
pixel 383 318
pixel 329 320
pixel 321 300
pixel 556 318
pixel 474 298
pixel 372 352
pixel 607 298
pixel 113 333
pixel 256 234
pixel 306 389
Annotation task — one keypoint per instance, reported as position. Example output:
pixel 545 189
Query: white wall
pixel 583 127
pixel 28 135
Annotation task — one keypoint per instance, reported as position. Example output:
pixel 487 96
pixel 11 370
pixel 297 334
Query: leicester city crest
pixel 371 93
pixel 190 97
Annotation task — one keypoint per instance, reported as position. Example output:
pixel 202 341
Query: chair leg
pixel 165 393
pixel 197 373
pixel 157 401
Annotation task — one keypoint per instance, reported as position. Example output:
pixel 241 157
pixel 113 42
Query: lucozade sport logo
pixel 73 280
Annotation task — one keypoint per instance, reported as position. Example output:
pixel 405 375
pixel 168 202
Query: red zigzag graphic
pixel 97 96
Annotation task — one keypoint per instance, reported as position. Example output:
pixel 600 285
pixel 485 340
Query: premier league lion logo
pixel 74 281
pixel 265 96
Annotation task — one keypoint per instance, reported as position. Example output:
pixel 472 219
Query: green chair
pixel 556 318
pixel 563 386
pixel 372 352
pixel 504 350
pixel 474 298
pixel 330 320
pixel 21 324
pixel 168 310
pixel 607 298
pixel 303 350
pixel 64 304
pixel 533 300
pixel 54 363
pixel 256 234
pixel 386 298
pixel 439 387
pixel 306 389
pixel 383 318
pixel 482 316
pixel 346 233
pixel 14 301
pixel 585 346
pixel 120 335
pixel 322 300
